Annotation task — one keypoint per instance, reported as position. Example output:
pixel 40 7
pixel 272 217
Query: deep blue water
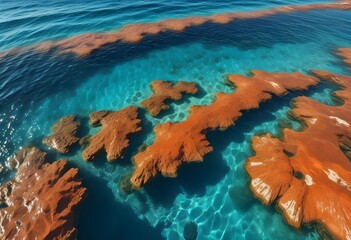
pixel 38 89
pixel 32 21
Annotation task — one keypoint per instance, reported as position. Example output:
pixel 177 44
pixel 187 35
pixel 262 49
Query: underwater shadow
pixel 136 141
pixel 102 217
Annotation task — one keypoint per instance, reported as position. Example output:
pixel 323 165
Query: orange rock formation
pixel 83 45
pixel 96 117
pixel 114 135
pixel 307 173
pixel 42 200
pixel 64 134
pixel 33 156
pixel 166 90
pixel 346 54
pixel 178 143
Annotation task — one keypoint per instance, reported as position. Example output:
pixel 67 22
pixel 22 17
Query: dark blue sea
pixel 37 89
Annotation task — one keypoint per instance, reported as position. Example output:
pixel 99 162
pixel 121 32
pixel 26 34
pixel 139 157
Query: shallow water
pixel 36 90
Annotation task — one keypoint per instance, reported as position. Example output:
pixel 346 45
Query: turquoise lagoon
pixel 38 89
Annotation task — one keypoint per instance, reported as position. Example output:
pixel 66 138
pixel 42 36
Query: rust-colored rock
pixel 32 156
pixel 5 192
pixel 163 91
pixel 83 45
pixel 42 200
pixel 114 135
pixel 346 54
pixel 64 134
pixel 307 172
pixel 96 117
pixel 178 143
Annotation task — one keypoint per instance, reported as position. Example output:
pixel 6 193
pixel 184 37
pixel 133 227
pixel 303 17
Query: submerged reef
pixel 114 135
pixel 185 142
pixel 85 44
pixel 64 134
pixel 41 201
pixel 307 173
pixel 163 91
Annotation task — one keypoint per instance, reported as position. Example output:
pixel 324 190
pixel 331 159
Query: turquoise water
pixel 36 90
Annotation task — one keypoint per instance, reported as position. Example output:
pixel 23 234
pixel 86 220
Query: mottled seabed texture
pixel 38 88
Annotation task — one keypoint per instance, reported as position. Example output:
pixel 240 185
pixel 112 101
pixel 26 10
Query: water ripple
pixel 58 19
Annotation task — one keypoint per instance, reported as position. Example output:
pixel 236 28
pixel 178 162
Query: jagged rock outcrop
pixel 96 117
pixel 64 134
pixel 307 173
pixel 114 134
pixel 163 91
pixel 41 202
pixel 184 142
pixel 32 156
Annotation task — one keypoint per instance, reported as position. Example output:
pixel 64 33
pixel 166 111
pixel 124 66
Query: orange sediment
pixel 83 45
pixel 345 53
